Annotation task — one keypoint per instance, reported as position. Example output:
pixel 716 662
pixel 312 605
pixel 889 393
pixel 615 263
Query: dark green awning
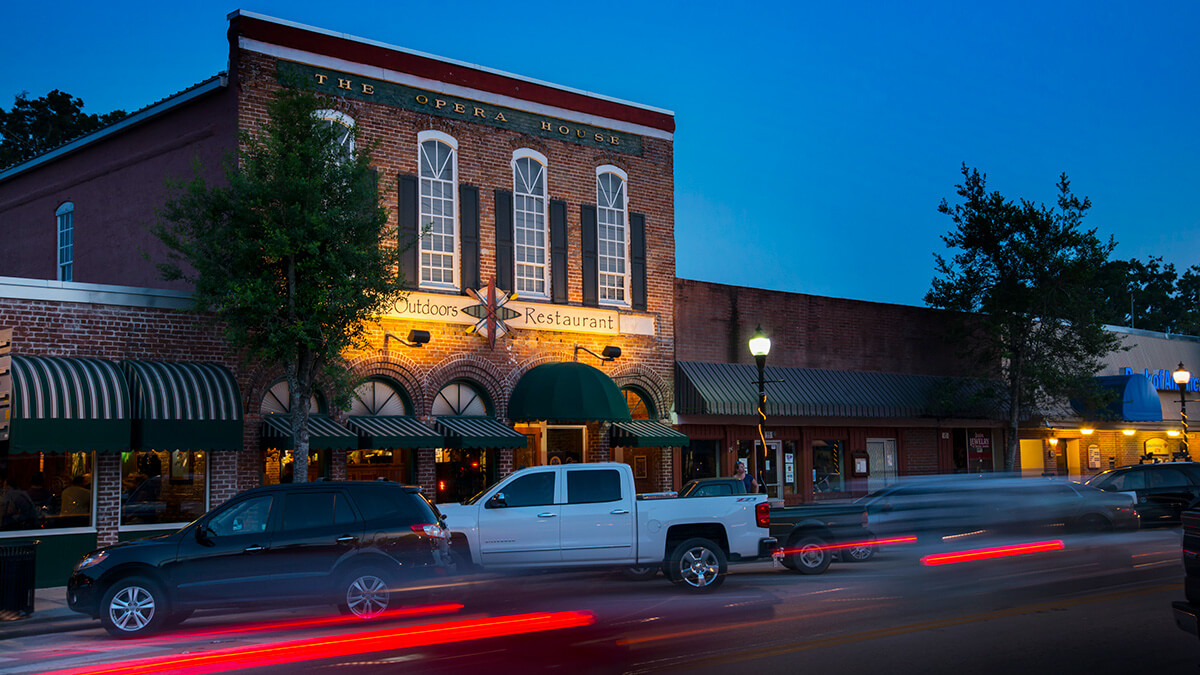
pixel 184 406
pixel 323 433
pixel 68 405
pixel 566 392
pixel 393 431
pixel 645 434
pixel 478 432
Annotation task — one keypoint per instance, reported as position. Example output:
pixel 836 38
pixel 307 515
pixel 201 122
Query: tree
pixel 295 254
pixel 1024 276
pixel 35 126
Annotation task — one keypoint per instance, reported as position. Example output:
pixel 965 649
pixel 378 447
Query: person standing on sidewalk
pixel 739 472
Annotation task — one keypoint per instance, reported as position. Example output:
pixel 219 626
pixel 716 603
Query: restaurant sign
pixel 417 306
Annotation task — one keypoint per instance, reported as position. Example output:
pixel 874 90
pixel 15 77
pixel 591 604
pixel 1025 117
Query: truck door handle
pixel 254 549
pixel 347 539
pixel 618 512
pixel 546 515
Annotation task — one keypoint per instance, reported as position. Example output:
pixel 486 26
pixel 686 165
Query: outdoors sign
pixel 529 315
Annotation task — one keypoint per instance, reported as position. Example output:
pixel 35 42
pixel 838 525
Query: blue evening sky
pixel 814 140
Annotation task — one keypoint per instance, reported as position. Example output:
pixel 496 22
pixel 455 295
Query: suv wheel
pixel 365 593
pixel 133 607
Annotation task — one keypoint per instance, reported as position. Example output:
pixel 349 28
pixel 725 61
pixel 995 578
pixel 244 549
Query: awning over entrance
pixel 68 405
pixel 646 434
pixel 323 433
pixel 1134 399
pixel 393 431
pixel 732 389
pixel 184 406
pixel 478 432
pixel 566 392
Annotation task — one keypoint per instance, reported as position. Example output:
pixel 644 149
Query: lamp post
pixel 760 346
pixel 1182 377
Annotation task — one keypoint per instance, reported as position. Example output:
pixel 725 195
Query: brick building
pixel 858 393
pixel 503 184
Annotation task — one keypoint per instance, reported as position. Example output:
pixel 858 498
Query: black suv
pixel 1160 491
pixel 351 543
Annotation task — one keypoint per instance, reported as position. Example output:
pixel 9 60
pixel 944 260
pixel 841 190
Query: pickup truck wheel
pixel 697 564
pixel 810 554
pixel 641 573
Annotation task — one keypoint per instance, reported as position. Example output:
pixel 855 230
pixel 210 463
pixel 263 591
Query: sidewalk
pixel 50 615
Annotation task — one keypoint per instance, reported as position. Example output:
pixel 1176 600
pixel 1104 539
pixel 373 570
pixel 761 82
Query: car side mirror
pixel 496 502
pixel 202 534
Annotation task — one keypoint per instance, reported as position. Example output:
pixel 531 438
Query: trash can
pixel 17 571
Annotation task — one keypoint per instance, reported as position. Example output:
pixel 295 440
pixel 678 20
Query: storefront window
pixel 46 491
pixel 828 466
pixel 699 460
pixel 564 445
pixel 160 487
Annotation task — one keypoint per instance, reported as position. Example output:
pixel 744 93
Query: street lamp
pixel 1182 377
pixel 760 346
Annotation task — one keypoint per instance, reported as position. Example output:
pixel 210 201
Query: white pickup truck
pixel 588 515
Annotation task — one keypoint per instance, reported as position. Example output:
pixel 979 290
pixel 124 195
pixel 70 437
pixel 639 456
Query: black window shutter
pixel 558 251
pixel 504 240
pixel 468 222
pixel 637 260
pixel 587 236
pixel 408 232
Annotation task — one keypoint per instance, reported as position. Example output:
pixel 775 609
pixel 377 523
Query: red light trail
pixel 988 553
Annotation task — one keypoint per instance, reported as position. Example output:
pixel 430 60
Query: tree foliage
pixel 294 254
pixel 1152 295
pixel 34 126
pixel 1025 278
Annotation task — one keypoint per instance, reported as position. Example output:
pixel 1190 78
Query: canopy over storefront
pixel 184 406
pixel 393 431
pixel 732 389
pixel 323 433
pixel 65 404
pixel 478 432
pixel 1132 399
pixel 645 434
pixel 566 392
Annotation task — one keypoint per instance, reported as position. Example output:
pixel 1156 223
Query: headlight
pixel 91 559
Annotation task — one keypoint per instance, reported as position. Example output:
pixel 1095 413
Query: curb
pixel 34 625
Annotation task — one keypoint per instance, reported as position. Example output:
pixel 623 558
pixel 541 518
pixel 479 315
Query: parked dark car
pixel 354 544
pixel 1161 491
pixel 812 535
pixel 1187 612
pixel 713 487
pixel 937 508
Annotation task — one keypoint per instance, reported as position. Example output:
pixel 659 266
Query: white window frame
pixel 624 209
pixel 526 153
pixel 343 119
pixel 455 254
pixel 65 220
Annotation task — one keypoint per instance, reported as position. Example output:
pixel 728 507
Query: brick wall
pixel 919 455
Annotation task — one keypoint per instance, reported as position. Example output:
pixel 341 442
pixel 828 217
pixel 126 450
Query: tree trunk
pixel 1014 414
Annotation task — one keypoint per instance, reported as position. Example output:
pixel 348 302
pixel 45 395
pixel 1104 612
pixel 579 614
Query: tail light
pixel 762 514
pixel 431 530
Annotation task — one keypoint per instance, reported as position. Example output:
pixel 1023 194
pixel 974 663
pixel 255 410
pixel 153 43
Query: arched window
pixel 343 127
pixel 530 240
pixel 461 398
pixel 66 241
pixel 612 239
pixel 277 400
pixel 438 213
pixel 378 397
pixel 640 405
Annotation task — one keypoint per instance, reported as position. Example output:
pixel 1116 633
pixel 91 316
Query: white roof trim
pixel 19 288
pixel 353 38
pixel 333 63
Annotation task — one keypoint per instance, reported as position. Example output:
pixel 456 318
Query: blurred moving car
pixel 812 535
pixel 1161 491
pixel 349 543
pixel 946 507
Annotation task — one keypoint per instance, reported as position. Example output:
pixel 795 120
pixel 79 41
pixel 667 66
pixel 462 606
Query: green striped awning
pixel 184 406
pixel 393 431
pixel 646 434
pixel 65 404
pixel 323 433
pixel 478 432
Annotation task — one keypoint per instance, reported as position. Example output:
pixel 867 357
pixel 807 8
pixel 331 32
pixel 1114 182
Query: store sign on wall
pixel 1164 380
pixel 530 316
pixel 454 107
pixel 980 443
